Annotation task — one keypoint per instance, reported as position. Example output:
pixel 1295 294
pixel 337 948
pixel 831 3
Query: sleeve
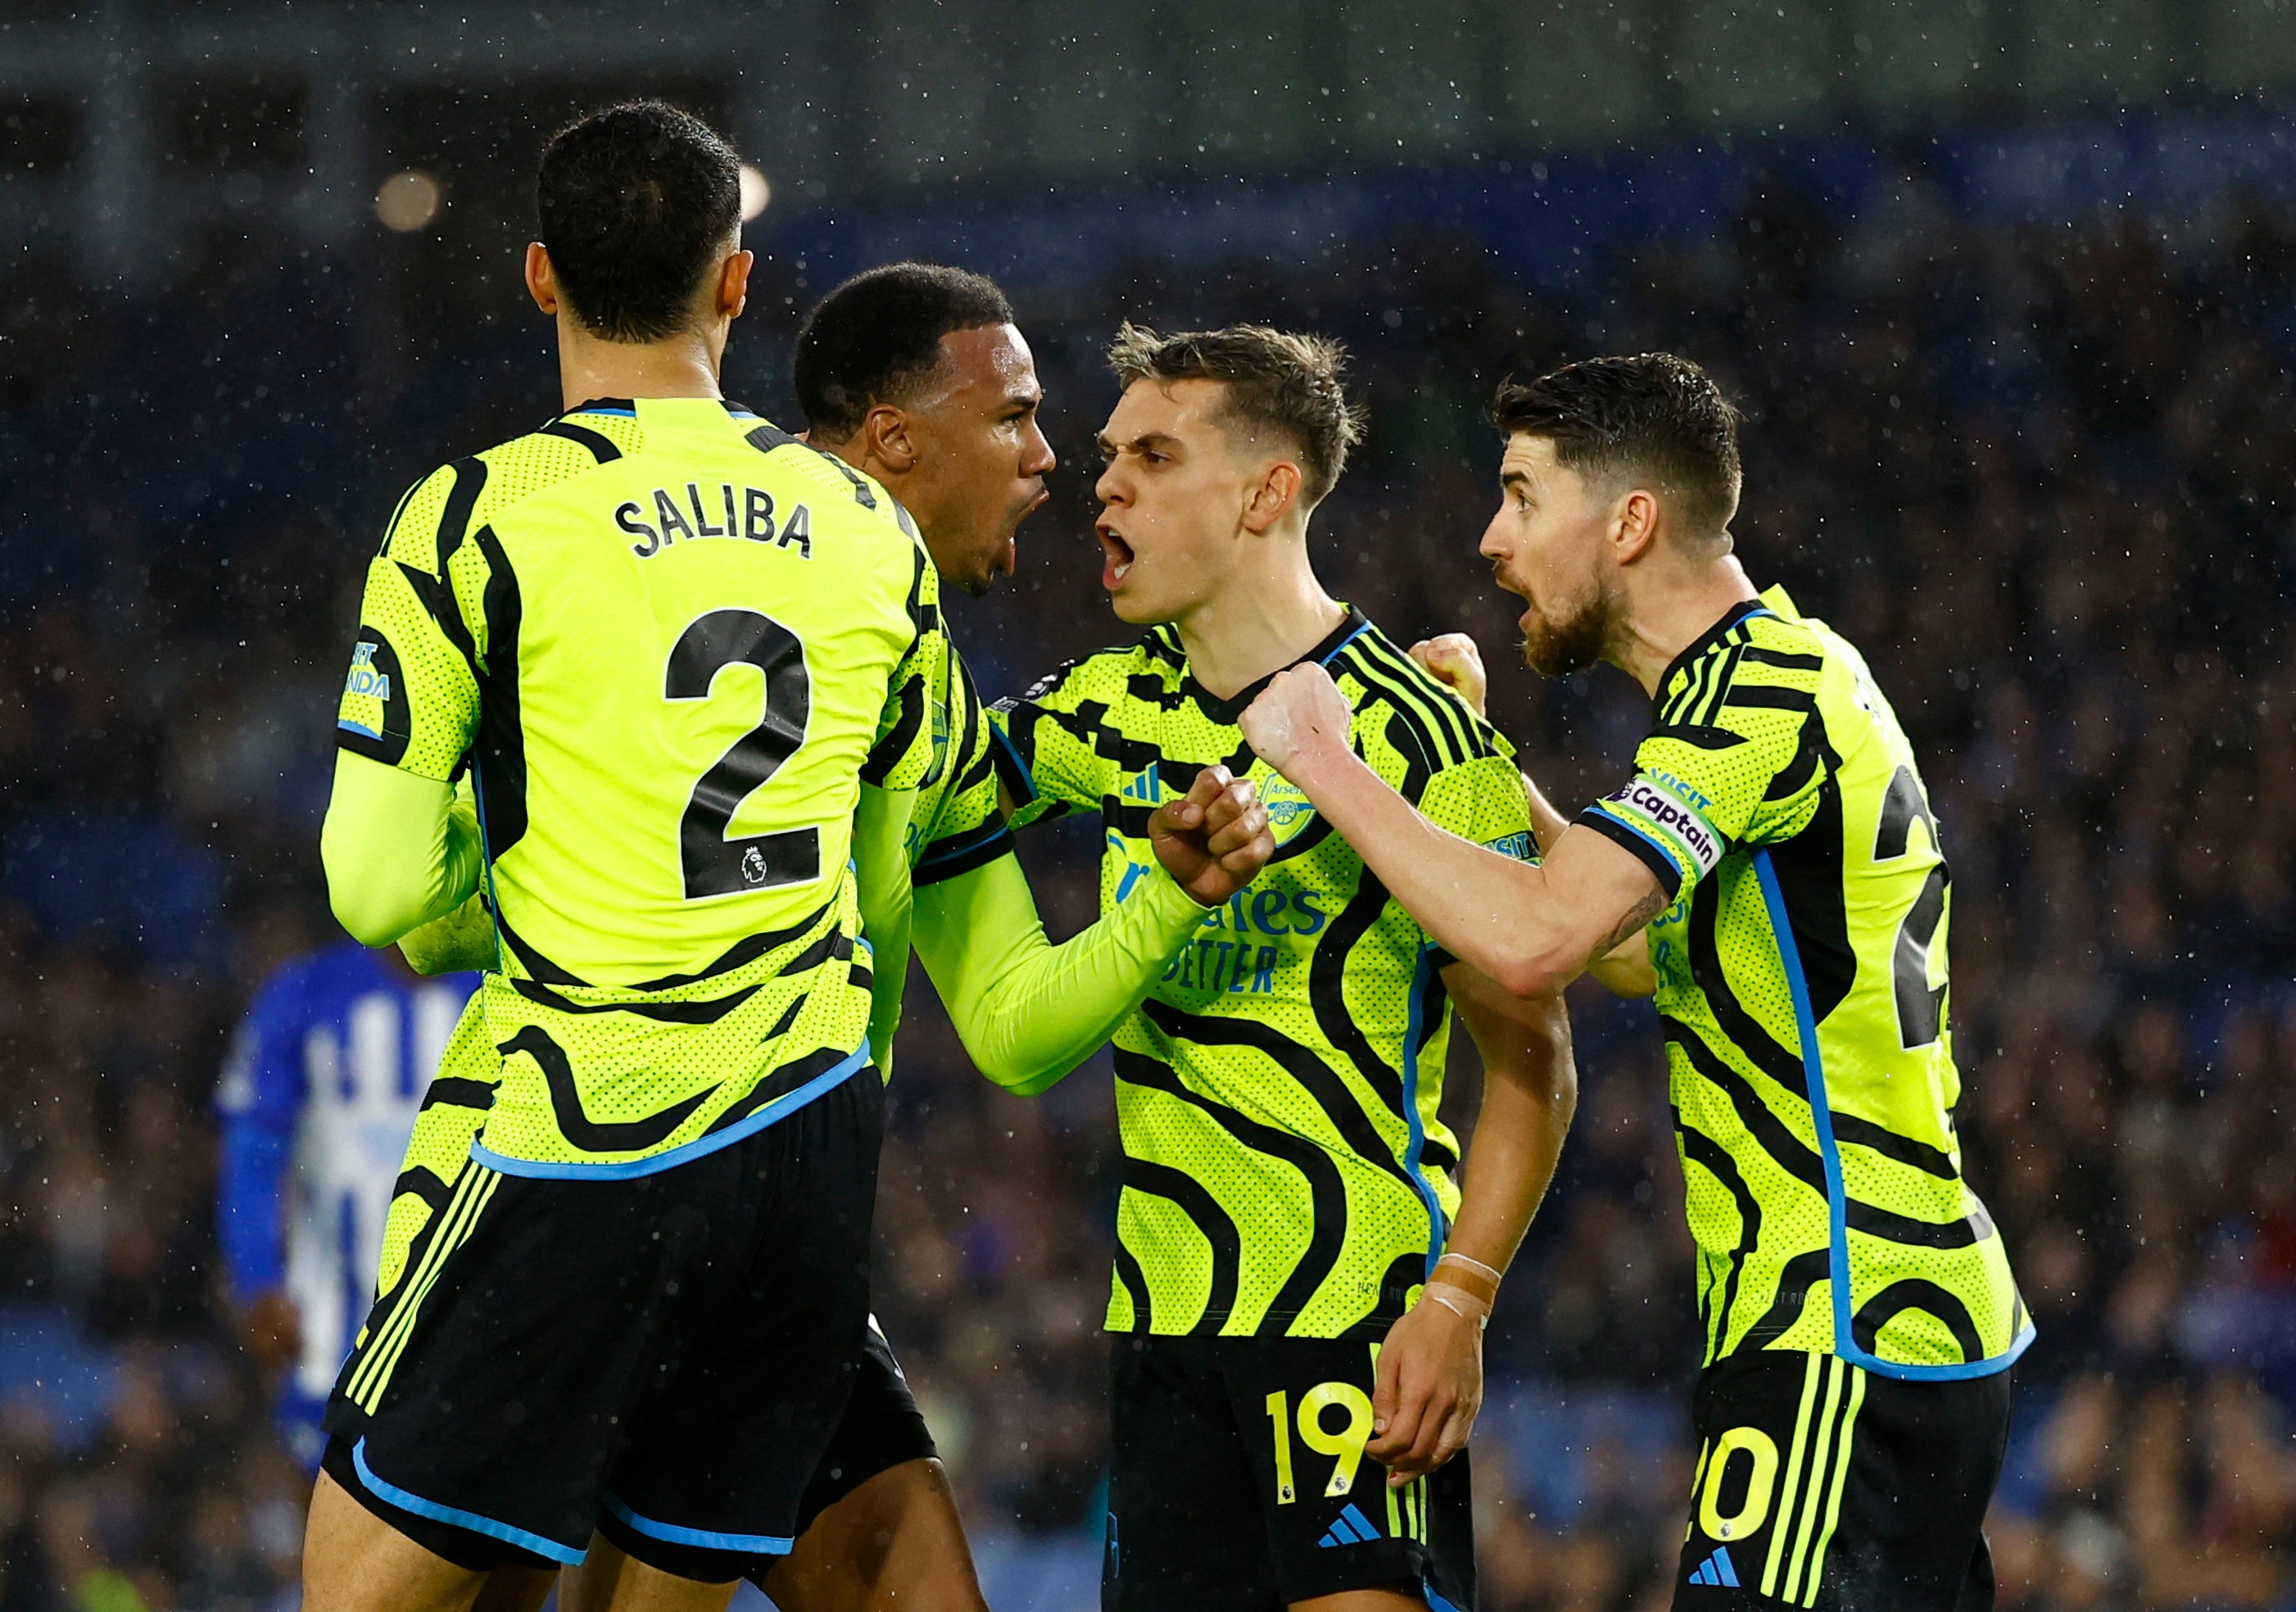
pixel 1044 753
pixel 881 887
pixel 1748 775
pixel 1028 1011
pixel 958 825
pixel 411 697
pixel 911 749
pixel 259 1099
pixel 399 848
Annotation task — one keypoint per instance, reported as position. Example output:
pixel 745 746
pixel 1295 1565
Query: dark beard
pixel 1558 649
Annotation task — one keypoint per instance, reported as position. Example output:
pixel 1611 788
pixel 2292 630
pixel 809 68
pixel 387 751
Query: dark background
pixel 2009 296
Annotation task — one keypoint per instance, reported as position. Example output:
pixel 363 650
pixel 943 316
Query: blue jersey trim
pixel 470 1520
pixel 623 414
pixel 1343 644
pixel 1961 1373
pixel 1420 972
pixel 1837 1216
pixel 360 728
pixel 1656 844
pixel 1028 773
pixel 761 1544
pixel 629 1169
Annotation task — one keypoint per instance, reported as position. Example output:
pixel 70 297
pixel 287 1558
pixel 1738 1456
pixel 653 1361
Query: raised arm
pixel 1028 1011
pixel 1453 659
pixel 1533 929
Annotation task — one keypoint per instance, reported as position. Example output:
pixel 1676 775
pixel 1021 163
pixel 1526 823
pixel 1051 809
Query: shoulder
pixel 1760 671
pixel 1402 708
pixel 1105 676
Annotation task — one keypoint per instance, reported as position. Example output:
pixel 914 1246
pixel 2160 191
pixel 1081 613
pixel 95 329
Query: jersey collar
pixel 628 407
pixel 1701 644
pixel 1225 711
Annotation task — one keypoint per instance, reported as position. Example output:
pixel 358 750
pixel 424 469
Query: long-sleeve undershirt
pixel 399 849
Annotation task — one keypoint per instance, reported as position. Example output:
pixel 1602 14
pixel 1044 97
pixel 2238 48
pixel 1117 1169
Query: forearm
pixel 1486 909
pixel 1028 1011
pixel 1530 1092
pixel 396 851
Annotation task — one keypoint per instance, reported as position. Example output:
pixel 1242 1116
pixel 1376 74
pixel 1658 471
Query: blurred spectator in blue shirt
pixel 318 1097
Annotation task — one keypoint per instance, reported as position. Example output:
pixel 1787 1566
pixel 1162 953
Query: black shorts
pixel 1821 1483
pixel 659 1358
pixel 881 1428
pixel 1238 1483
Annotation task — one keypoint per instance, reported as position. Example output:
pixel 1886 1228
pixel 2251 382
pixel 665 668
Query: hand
pixel 271 1330
pixel 1296 717
pixel 1427 1391
pixel 1214 839
pixel 1455 662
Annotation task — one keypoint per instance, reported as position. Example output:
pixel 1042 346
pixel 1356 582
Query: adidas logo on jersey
pixel 1716 1572
pixel 1353 1528
pixel 1146 785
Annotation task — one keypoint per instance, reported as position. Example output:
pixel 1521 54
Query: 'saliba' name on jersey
pixel 684 519
pixel 669 736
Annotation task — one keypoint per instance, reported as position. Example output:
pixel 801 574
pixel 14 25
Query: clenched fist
pixel 1455 662
pixel 1296 717
pixel 1214 839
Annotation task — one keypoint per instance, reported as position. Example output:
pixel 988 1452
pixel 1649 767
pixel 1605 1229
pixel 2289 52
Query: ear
pixel 733 283
pixel 885 438
pixel 541 279
pixel 1277 491
pixel 1634 525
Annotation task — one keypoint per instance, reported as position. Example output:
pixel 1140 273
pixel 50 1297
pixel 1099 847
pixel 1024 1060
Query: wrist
pixel 1317 761
pixel 1465 1305
pixel 1170 903
pixel 1471 1274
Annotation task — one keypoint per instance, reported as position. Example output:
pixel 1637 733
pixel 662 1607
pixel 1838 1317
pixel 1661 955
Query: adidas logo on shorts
pixel 1716 1571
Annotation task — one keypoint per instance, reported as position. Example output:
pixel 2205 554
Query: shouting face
pixel 1545 545
pixel 980 459
pixel 1178 479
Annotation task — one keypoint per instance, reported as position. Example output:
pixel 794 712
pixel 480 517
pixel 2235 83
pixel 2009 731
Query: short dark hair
pixel 635 204
pixel 873 338
pixel 1289 383
pixel 1653 413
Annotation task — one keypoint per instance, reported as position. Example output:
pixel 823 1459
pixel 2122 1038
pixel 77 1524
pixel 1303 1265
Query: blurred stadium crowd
pixel 2040 475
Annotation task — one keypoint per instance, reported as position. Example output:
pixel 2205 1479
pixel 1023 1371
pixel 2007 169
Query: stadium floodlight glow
pixel 755 192
pixel 408 200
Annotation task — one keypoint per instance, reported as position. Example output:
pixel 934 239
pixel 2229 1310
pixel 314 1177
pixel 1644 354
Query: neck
pixel 683 366
pixel 1670 609
pixel 1263 619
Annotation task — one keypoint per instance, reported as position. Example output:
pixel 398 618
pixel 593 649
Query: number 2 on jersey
pixel 714 864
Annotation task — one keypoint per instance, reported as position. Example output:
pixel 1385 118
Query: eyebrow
pixel 1511 480
pixel 1158 440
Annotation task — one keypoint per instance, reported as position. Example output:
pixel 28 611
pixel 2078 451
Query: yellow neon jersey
pixel 672 641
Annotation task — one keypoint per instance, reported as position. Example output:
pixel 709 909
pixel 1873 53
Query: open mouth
pixel 1116 562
